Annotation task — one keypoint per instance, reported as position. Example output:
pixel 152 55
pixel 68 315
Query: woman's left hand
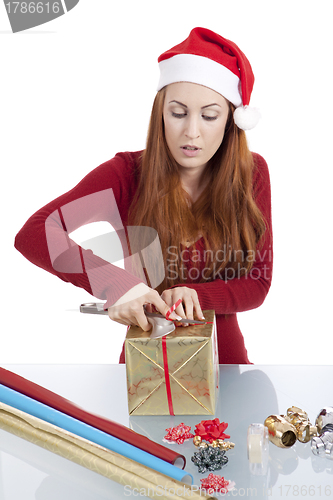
pixel 190 301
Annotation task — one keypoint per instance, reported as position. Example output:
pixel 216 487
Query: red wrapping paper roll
pixel 39 393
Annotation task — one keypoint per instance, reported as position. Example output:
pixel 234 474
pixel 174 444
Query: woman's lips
pixel 190 150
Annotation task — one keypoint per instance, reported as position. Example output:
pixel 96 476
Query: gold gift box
pixel 188 378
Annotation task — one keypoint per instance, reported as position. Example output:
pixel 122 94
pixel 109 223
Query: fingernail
pixel 174 316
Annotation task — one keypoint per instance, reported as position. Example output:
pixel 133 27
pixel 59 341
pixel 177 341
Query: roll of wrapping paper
pixel 34 391
pixel 92 456
pixel 44 412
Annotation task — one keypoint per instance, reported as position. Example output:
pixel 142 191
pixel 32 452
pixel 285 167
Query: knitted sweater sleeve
pixel 102 195
pixel 248 291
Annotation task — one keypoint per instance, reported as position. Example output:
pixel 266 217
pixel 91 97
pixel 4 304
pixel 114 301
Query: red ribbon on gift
pixel 166 374
pixel 172 308
pixel 165 360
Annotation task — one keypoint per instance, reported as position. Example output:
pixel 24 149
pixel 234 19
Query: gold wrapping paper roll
pixel 193 370
pixel 93 456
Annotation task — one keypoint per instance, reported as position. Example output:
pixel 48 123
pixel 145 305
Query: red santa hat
pixel 208 59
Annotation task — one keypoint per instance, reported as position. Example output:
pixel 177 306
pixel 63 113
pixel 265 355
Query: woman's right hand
pixel 128 309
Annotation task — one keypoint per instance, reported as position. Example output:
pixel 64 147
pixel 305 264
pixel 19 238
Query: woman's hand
pixel 190 301
pixel 128 310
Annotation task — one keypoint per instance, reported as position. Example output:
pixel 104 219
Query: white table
pixel 248 394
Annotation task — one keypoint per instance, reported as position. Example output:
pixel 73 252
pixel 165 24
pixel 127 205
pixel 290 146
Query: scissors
pixel 160 325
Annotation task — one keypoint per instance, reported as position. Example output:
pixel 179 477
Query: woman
pixel 196 184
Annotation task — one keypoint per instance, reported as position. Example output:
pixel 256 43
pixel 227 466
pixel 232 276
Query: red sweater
pixel 105 194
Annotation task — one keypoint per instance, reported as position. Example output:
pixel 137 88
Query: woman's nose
pixel 192 128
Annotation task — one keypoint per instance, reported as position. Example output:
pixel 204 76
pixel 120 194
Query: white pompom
pixel 246 117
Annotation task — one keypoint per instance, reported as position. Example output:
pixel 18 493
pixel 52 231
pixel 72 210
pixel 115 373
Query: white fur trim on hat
pixel 203 71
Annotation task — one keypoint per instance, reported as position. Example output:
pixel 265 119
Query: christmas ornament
pixel 225 445
pixel 197 440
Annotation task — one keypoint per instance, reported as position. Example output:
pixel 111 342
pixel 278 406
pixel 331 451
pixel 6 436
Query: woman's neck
pixel 193 182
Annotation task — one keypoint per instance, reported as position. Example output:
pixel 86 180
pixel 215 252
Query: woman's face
pixel 194 121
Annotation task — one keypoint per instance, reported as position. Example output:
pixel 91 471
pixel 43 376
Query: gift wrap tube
pixel 49 398
pixel 44 412
pixel 93 456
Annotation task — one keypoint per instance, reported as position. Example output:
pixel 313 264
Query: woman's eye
pixel 178 115
pixel 209 118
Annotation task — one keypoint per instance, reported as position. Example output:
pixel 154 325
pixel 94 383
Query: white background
pixel 79 89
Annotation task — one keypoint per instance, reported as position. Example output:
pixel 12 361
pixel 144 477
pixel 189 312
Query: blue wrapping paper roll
pixel 55 417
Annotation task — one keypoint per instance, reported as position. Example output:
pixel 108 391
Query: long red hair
pixel 225 214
